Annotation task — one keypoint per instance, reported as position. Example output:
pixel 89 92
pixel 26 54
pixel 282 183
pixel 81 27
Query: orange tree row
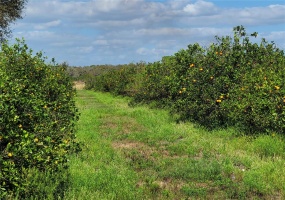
pixel 233 82
pixel 37 117
pixel 119 80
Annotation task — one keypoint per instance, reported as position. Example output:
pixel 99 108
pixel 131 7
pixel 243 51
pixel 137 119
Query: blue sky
pixel 91 32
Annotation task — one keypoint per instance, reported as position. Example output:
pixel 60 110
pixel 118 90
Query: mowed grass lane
pixel 141 153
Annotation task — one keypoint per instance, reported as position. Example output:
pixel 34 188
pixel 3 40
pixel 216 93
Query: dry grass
pixel 78 85
pixel 120 125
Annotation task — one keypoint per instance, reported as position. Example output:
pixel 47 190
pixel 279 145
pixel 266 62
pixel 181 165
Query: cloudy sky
pixel 91 32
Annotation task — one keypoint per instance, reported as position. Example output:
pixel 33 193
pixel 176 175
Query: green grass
pixel 141 153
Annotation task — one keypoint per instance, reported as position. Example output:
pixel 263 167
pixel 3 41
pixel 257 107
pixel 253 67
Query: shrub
pixel 38 115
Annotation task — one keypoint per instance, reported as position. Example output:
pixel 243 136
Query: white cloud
pixel 114 31
pixel 200 8
pixel 40 35
pixel 48 24
pixel 100 42
pixel 85 49
pixel 142 51
pixel 107 5
pixel 257 15
pixel 276 35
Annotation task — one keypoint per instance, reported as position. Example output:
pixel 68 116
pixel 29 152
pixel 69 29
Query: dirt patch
pixel 127 145
pixel 170 184
pixel 137 154
pixel 142 158
pixel 78 85
pixel 144 150
pixel 141 148
pixel 121 124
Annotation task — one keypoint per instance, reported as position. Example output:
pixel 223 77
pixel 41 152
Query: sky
pixel 95 32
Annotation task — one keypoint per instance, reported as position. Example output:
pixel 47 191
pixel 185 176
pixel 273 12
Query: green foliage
pixel 42 185
pixel 37 116
pixel 88 72
pixel 10 12
pixel 232 82
pixel 120 80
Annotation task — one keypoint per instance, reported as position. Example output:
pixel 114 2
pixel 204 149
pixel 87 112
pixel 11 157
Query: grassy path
pixel 140 153
pixel 98 172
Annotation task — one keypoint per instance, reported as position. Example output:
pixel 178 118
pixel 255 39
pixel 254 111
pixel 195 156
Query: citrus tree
pixel 233 82
pixel 38 116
